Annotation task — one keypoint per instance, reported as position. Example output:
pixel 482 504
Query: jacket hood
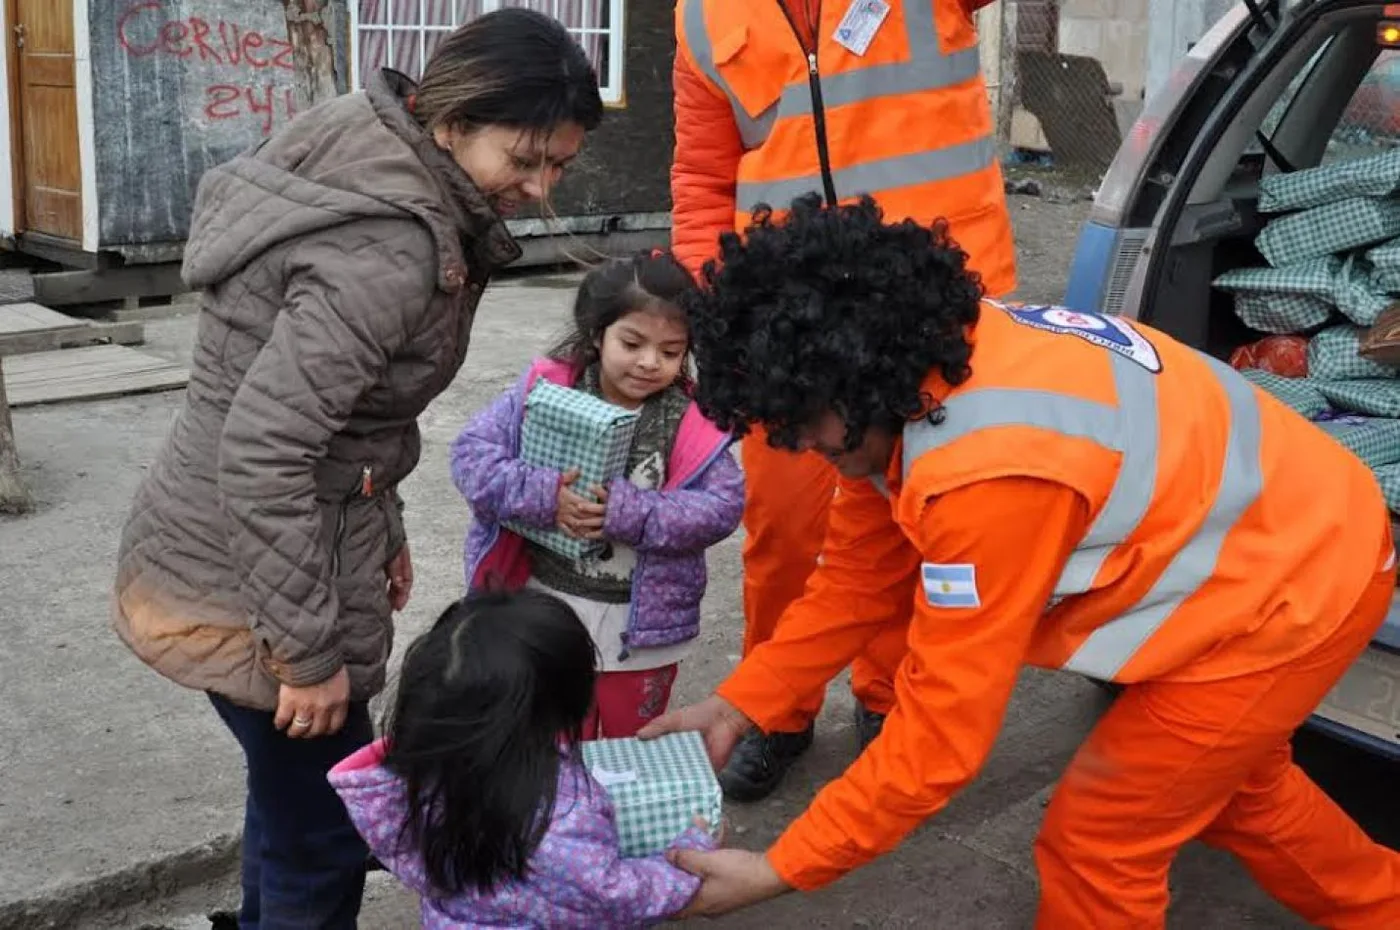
pixel 358 156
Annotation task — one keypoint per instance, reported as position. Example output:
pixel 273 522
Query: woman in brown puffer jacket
pixel 341 263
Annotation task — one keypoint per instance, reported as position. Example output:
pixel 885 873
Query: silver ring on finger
pixel 301 723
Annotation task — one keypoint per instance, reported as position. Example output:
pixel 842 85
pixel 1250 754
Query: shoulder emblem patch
pixel 1103 330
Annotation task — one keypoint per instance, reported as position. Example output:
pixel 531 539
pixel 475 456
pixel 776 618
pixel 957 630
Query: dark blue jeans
pixel 303 862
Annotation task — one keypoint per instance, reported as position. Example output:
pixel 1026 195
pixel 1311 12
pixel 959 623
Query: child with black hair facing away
pixel 477 799
pixel 682 491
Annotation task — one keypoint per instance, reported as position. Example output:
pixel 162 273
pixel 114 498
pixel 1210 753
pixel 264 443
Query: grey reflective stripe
pixel 753 130
pixel 880 484
pixel 992 407
pixel 915 77
pixel 927 69
pixel 1136 388
pixel 1110 647
pixel 873 176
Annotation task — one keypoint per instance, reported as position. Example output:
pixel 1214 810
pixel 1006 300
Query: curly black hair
pixel 830 309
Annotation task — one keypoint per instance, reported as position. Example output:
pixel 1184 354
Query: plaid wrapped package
pixel 1299 393
pixel 1385 260
pixel 657 787
pixel 1374 397
pixel 1374 440
pixel 1335 355
pixel 565 429
pixel 1357 293
pixel 1284 300
pixel 1378 176
pixel 1328 230
pixel 1388 476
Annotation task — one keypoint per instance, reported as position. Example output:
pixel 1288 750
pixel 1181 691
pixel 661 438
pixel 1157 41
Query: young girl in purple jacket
pixel 477 799
pixel 683 491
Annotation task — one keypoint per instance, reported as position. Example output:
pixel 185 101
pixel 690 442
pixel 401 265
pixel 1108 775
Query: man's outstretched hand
pixel 719 721
pixel 730 879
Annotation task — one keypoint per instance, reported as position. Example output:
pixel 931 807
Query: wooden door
pixel 46 150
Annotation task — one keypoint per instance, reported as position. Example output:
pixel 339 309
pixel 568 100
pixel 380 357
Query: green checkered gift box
pixel 1374 440
pixel 566 429
pixel 1334 355
pixel 1337 227
pixel 1378 176
pixel 657 787
pixel 1299 393
pixel 1287 300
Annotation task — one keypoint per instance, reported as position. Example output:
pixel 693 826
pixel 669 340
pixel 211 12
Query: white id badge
pixel 858 27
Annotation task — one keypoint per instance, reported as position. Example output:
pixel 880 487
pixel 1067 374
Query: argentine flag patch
pixel 953 586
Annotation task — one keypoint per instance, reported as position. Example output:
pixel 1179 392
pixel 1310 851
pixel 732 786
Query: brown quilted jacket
pixel 341 264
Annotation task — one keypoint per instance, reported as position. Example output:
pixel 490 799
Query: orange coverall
pixel 788 495
pixel 1197 745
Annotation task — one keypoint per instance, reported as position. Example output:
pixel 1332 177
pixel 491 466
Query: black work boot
pixel 868 725
pixel 760 762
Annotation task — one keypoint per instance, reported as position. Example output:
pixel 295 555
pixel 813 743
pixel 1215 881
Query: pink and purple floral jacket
pixel 577 877
pixel 700 504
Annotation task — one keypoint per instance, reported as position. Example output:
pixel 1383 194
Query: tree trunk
pixel 14 498
pixel 313 54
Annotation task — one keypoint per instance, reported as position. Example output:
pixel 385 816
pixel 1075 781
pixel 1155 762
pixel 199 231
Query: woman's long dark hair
pixel 513 67
pixel 648 280
pixel 490 701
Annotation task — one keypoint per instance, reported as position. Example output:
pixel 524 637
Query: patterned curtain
pixel 403 34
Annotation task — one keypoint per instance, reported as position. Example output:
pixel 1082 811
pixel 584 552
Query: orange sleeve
pixel 867 570
pixel 705 166
pixel 953 687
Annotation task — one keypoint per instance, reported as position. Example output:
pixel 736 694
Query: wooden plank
pixel 130 333
pixel 32 317
pixel 67 288
pixel 14 497
pixel 88 373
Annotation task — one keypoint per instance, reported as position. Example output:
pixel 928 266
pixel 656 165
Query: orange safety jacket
pixel 1098 498
pixel 908 121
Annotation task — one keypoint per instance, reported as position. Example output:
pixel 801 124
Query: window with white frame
pixel 402 34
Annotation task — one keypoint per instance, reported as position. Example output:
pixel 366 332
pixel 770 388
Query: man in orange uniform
pixel 1060 489
pixel 777 98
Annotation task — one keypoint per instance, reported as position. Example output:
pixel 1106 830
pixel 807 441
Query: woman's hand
pixel 400 573
pixel 719 721
pixel 730 879
pixel 314 710
pixel 576 515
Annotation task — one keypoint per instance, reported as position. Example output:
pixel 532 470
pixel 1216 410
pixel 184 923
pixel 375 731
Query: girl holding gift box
pixel 478 798
pixel 683 491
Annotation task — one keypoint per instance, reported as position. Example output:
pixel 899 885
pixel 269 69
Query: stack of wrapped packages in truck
pixel 1330 296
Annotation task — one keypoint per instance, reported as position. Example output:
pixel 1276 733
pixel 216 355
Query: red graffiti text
pixel 145 29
